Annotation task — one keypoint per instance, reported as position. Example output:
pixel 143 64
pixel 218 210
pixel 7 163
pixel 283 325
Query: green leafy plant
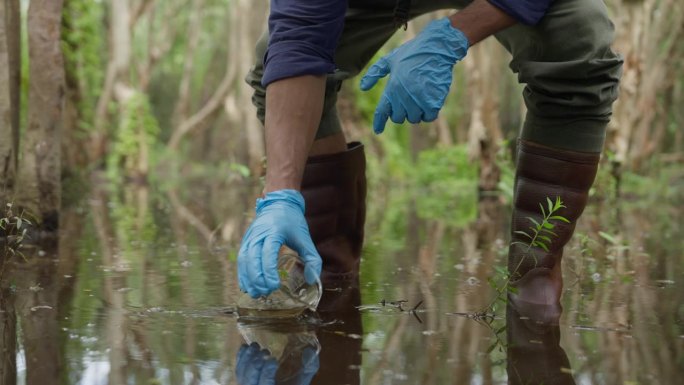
pixel 540 235
pixel 541 232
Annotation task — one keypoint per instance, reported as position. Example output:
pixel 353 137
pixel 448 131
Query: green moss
pixel 84 46
pixel 135 139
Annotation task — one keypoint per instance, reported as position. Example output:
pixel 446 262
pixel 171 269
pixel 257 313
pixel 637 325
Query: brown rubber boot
pixel 542 173
pixel 334 189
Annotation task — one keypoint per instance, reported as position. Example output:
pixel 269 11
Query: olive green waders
pixel 571 80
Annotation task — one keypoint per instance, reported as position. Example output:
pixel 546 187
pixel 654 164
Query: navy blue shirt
pixel 304 33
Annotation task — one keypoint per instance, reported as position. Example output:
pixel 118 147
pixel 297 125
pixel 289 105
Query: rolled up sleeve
pixel 528 12
pixel 303 36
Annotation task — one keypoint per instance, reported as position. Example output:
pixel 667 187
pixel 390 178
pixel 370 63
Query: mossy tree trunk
pixel 39 187
pixel 10 67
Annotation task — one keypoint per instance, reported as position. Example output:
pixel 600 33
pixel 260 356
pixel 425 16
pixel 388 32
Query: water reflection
pixel 275 354
pixel 326 349
pixel 341 336
pixel 533 351
pixel 139 290
pixel 8 338
pixel 35 295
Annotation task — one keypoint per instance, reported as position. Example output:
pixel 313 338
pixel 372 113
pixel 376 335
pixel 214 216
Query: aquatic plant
pixel 13 230
pixel 542 231
pixel 539 235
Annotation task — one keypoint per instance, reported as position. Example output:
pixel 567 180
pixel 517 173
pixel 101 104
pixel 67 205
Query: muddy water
pixel 142 285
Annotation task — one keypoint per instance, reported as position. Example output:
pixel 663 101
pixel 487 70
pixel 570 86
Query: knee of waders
pixel 582 31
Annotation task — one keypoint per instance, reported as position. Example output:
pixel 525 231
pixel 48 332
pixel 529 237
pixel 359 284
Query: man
pixel 561 51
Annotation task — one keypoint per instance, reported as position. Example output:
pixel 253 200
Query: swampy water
pixel 141 288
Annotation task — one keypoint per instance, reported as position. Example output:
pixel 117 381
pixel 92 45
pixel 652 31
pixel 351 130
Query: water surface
pixel 142 285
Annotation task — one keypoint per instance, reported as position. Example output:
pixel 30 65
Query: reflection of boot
pixel 542 173
pixel 340 338
pixel 534 353
pixel 334 189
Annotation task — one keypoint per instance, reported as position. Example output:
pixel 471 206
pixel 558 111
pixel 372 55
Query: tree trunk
pixel 10 67
pixel 117 69
pixel 245 16
pixel 648 73
pixel 39 170
pixel 484 71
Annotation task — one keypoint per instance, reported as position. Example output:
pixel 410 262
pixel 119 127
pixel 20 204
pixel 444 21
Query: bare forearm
pixel 293 113
pixel 479 20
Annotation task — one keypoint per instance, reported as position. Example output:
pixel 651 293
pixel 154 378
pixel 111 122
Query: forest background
pixel 153 91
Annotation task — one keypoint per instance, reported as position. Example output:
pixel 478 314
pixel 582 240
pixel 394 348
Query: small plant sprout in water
pixel 540 234
pixel 14 229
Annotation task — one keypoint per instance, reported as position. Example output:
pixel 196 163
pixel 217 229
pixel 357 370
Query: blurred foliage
pixel 448 182
pixel 24 67
pixel 135 140
pixel 208 56
pixel 504 160
pixel 395 159
pixel 160 46
pixel 85 49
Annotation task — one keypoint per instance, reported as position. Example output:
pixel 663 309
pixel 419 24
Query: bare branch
pixel 212 106
pixel 143 7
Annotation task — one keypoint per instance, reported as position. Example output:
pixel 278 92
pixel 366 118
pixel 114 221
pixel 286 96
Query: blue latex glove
pixel 279 221
pixel 421 73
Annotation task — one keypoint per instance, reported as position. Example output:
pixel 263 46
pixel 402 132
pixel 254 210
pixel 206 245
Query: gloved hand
pixel 279 221
pixel 421 73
